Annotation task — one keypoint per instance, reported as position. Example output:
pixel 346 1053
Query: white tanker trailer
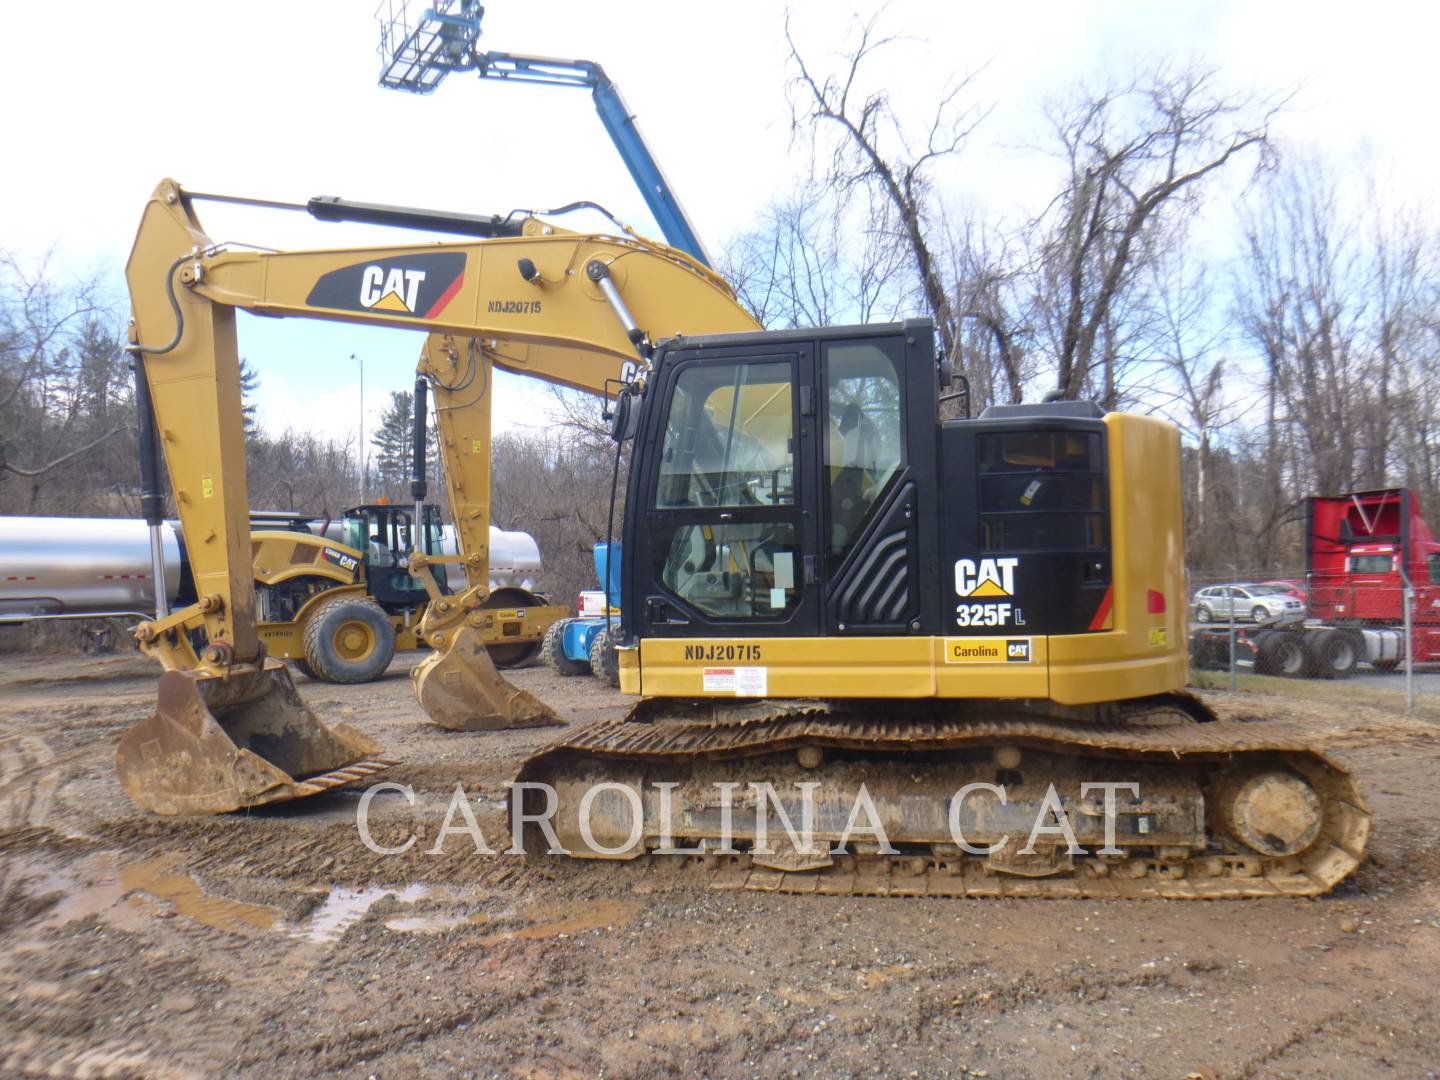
pixel 341 626
pixel 95 567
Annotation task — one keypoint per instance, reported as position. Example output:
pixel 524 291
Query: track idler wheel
pixel 1272 812
pixel 460 689
pixel 216 744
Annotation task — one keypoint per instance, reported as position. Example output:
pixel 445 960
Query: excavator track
pixel 1225 809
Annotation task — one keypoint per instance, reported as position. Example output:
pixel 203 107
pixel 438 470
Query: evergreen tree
pixel 391 460
pixel 249 385
pixel 391 442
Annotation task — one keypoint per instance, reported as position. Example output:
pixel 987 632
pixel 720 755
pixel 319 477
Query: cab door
pixel 876 482
pixel 721 531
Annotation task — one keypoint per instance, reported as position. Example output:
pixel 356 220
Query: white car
pixel 1258 603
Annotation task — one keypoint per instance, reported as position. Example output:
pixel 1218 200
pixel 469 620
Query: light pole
pixel 363 499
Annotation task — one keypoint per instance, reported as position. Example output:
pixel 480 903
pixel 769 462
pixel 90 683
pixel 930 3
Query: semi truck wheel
pixel 1280 654
pixel 604 661
pixel 348 640
pixel 553 650
pixel 1333 654
pixel 1205 653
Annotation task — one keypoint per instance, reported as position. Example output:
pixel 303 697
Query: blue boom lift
pixel 418 50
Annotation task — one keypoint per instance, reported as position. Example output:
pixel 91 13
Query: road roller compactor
pixel 876 651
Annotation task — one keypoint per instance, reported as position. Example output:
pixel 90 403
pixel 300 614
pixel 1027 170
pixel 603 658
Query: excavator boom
pixel 524 296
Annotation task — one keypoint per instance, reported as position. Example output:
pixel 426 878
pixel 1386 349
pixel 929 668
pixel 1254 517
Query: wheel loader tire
pixel 604 661
pixel 349 640
pixel 553 650
pixel 1333 654
pixel 1280 654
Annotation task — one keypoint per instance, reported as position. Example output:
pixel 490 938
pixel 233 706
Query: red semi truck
pixel 1361 547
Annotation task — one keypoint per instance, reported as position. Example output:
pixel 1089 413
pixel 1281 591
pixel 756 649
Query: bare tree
pixel 64 383
pixel 991 343
pixel 1302 302
pixel 798 267
pixel 1136 158
pixel 1193 391
pixel 873 152
pixel 302 472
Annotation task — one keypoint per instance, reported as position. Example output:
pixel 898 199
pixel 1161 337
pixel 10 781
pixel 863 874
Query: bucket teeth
pixel 215 745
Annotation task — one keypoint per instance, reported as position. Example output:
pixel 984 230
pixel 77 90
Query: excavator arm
pixel 528 297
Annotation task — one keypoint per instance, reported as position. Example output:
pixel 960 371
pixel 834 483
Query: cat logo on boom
pixel 418 286
pixel 985 583
pixel 392 290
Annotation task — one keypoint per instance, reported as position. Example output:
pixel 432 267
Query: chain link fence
pixel 1295 632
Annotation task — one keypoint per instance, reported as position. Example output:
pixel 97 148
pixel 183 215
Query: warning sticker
pixel 740 681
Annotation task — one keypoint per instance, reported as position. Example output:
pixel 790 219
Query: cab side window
pixel 864 443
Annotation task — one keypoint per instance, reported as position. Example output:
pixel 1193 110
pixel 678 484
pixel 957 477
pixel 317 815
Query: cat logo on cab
pixel 986 585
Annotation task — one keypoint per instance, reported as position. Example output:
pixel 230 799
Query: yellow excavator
pixel 836 606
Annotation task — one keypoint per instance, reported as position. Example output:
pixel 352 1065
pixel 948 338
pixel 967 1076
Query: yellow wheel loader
pixel 952 651
pixel 340 610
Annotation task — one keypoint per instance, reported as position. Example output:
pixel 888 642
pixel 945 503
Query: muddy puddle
pixel 342 908
pixel 127 896
pixel 547 921
pixel 131 896
pixel 434 922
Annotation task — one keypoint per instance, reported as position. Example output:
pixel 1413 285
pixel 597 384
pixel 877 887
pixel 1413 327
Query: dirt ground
pixel 276 944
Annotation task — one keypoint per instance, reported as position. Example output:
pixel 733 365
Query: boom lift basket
pixel 215 745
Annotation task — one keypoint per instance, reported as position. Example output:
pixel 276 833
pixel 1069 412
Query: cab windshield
pixel 1372 564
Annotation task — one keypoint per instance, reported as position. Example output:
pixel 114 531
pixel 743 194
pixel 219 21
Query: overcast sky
pixel 280 100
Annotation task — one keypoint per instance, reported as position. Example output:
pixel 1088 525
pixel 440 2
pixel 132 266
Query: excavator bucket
pixel 215 745
pixel 459 689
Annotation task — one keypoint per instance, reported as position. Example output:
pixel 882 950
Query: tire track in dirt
pixel 29 1056
pixel 30 774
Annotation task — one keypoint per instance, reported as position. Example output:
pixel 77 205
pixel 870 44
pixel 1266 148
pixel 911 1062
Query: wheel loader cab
pixel 384 533
pixel 800 523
